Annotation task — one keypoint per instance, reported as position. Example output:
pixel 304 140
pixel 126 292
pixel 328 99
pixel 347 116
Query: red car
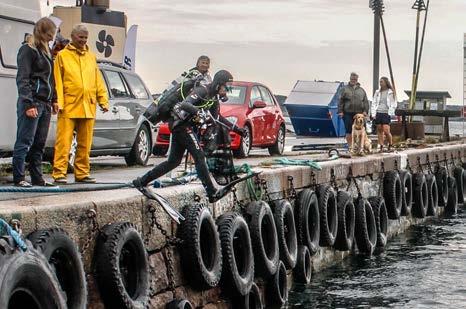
pixel 251 106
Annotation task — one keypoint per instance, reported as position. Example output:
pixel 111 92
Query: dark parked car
pixel 123 130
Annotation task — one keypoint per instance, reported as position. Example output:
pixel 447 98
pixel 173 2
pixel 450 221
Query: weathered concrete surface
pixel 70 211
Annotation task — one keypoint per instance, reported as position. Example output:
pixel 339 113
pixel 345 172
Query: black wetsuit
pixel 183 138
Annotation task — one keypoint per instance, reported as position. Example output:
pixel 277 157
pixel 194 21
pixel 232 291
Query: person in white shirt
pixel 382 109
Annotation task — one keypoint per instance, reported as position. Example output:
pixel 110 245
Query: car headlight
pixel 232 119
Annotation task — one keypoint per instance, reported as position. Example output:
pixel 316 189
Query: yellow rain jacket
pixel 79 83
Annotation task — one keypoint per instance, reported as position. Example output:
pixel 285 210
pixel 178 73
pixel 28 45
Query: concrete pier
pixel 71 211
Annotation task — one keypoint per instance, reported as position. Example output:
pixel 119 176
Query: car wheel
pixel 279 146
pixel 140 152
pixel 159 151
pixel 245 145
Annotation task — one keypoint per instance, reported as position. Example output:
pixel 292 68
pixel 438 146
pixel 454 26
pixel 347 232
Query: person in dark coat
pixel 36 102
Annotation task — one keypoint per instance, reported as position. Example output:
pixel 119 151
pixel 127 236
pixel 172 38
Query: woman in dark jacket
pixel 36 97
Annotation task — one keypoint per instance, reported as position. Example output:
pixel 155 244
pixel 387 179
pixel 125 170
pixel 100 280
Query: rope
pixel 5 228
pixel 298 162
pixel 256 193
pixel 86 188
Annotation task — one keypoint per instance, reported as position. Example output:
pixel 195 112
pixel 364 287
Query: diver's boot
pixel 137 183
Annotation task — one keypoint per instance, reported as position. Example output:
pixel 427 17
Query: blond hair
pixel 38 39
pixel 79 28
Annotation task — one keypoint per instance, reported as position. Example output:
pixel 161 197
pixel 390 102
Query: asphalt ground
pixel 111 169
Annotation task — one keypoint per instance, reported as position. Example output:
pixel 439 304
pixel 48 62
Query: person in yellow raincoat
pixel 80 88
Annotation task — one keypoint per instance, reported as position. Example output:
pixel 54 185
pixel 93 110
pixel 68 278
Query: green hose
pixel 254 193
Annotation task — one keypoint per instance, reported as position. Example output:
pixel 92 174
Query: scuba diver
pixel 183 116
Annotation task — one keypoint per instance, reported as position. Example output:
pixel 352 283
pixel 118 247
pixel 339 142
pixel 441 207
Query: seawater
pixel 423 268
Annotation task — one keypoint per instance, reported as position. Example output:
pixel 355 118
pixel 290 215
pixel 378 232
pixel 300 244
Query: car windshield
pixel 236 94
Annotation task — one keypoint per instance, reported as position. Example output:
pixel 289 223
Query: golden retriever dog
pixel 360 142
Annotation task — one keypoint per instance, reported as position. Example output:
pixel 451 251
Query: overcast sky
pixel 277 42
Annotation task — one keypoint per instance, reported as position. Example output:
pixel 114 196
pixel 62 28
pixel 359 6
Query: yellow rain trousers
pixel 80 88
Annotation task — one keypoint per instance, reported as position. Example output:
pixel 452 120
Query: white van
pixel 17 18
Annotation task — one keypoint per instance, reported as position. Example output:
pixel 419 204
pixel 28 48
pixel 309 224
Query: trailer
pixel 313 108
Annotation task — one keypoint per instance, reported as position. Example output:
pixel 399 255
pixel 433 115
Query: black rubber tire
pixel 407 189
pixel 421 196
pixel 452 203
pixel 264 239
pixel 303 270
pixel 201 254
pixel 278 147
pixel 243 150
pixel 307 220
pixel 392 193
pixel 138 156
pixel 346 222
pixel 63 255
pixel 441 175
pixel 238 260
pixel 381 219
pixel 27 280
pixel 179 304
pixel 253 300
pixel 277 288
pixel 121 267
pixel 159 151
pixel 458 173
pixel 328 215
pixel 366 229
pixel 286 232
pixel 433 195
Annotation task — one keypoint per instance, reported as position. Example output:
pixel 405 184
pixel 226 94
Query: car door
pixel 270 124
pixel 256 115
pixel 107 124
pixel 131 110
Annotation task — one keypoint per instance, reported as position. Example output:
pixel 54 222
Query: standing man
pixel 80 88
pixel 353 100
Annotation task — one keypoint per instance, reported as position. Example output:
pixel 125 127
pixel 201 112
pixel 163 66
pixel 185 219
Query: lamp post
pixel 420 6
pixel 377 7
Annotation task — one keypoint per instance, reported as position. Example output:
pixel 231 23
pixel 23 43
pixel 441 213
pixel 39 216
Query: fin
pixel 228 187
pixel 172 212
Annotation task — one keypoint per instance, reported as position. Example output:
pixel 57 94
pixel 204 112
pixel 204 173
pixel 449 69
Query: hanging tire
pixel 452 201
pixel 328 215
pixel 179 304
pixel 441 176
pixel 277 288
pixel 366 230
pixel 252 300
pixel 381 219
pixel 201 255
pixel 346 221
pixel 264 239
pixel 238 260
pixel 421 196
pixel 121 267
pixel 65 259
pixel 286 232
pixel 307 220
pixel 392 193
pixel 432 191
pixel 27 280
pixel 303 270
pixel 458 173
pixel 407 192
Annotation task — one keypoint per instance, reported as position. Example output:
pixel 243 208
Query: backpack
pixel 159 111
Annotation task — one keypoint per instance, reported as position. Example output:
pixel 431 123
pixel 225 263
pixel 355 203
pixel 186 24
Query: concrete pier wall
pixel 71 212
